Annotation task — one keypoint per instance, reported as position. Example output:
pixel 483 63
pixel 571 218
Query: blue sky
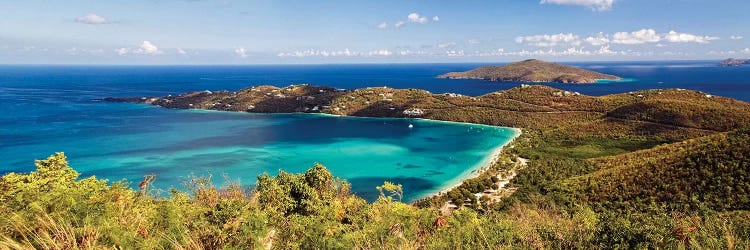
pixel 351 31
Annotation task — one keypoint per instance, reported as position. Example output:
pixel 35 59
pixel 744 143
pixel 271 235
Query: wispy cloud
pixel 413 17
pixel 550 40
pixel 597 5
pixel 642 36
pixel 92 19
pixel 337 53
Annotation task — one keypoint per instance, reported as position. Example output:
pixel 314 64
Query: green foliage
pixel 707 172
pixel 51 209
pixel 392 190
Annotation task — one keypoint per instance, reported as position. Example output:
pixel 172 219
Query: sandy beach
pixel 477 170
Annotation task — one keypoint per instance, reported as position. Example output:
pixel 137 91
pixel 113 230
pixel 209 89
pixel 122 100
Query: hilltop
pixel 532 70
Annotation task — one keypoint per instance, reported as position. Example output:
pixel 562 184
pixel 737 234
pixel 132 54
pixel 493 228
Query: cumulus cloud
pixel 399 24
pixel 92 19
pixel 746 51
pixel 736 37
pixel 241 52
pixel 181 51
pixel 436 18
pixel 383 25
pixel 550 40
pixel 636 37
pixel 598 5
pixel 146 48
pixel 676 37
pixel 599 40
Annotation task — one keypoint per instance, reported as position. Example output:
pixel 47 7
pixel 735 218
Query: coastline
pixel 477 169
pixel 470 173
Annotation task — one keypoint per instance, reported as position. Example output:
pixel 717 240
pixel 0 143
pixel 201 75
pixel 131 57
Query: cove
pixel 127 141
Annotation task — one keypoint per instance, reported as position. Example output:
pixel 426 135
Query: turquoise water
pixel 126 141
pixel 45 109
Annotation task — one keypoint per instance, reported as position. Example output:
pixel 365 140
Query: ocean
pixel 50 108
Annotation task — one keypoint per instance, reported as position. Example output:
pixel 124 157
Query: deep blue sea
pixel 46 109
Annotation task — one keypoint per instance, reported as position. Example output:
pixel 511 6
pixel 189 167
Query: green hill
pixel 531 70
pixel 711 171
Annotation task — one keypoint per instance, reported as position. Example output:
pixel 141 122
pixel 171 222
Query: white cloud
pixel 599 40
pixel 241 52
pixel 411 18
pixel 339 53
pixel 181 51
pixel 446 45
pixel 92 19
pixel 76 51
pixel 550 40
pixel 380 53
pixel 121 51
pixel 736 37
pixel 416 18
pixel 473 41
pixel 746 51
pixel 146 48
pixel 676 37
pixel 636 37
pixel 149 48
pixel 599 5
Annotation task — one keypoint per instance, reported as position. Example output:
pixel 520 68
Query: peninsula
pixel 734 62
pixel 669 111
pixel 532 70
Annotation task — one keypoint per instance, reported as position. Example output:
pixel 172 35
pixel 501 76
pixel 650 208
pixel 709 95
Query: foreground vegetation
pixel 51 208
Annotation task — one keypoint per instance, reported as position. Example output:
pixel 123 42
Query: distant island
pixel 734 62
pixel 532 70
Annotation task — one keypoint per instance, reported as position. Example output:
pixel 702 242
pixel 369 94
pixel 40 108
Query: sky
pixel 355 31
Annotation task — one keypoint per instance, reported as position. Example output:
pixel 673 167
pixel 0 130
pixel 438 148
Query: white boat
pixel 411 125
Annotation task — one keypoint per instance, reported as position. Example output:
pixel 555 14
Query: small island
pixel 532 70
pixel 734 62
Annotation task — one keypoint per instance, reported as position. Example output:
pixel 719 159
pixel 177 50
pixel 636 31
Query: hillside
pixel 712 171
pixel 531 71
pixel 671 114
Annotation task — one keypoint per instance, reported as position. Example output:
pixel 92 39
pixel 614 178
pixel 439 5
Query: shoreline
pixel 470 173
pixel 476 170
